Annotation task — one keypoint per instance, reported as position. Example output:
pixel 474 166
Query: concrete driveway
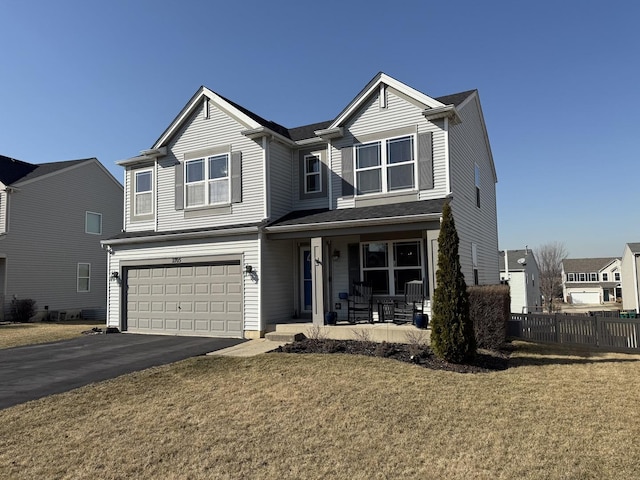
pixel 35 371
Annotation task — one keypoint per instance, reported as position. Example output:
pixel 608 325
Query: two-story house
pixel 52 219
pixel 591 280
pixel 233 222
pixel 519 270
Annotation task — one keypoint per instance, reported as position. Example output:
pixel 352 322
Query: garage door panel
pixel 186 299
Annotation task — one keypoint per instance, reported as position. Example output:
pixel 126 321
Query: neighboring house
pixel 52 219
pixel 591 280
pixel 519 270
pixel 233 222
pixel 631 277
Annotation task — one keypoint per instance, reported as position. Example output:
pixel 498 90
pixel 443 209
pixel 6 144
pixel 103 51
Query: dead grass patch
pixel 336 416
pixel 18 334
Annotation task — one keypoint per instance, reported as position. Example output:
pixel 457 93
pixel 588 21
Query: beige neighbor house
pixel 591 281
pixel 631 277
pixel 233 222
pixel 52 219
pixel 519 270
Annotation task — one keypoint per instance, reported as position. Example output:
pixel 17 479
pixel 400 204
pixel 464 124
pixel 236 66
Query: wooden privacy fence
pixel 607 333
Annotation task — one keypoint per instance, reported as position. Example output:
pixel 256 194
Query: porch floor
pixel 377 332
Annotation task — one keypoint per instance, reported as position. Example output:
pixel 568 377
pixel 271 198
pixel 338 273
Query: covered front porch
pixel 332 251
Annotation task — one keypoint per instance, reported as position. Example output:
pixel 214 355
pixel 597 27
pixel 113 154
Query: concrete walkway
pixel 249 348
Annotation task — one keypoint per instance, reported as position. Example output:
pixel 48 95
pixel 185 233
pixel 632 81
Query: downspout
pixel 447 156
pixel 329 170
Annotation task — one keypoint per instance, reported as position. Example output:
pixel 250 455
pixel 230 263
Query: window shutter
pixel 179 186
pixel 301 175
pixel 425 161
pixel 347 171
pixel 236 177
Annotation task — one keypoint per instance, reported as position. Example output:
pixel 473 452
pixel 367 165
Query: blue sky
pixel 558 83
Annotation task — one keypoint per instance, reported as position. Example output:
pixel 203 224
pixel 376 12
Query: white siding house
pixel 53 217
pixel 229 216
pixel 630 267
pixel 519 270
pixel 591 281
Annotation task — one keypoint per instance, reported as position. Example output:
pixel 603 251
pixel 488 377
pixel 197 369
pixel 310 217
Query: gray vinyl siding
pixel 371 119
pixel 247 247
pixel 311 201
pixel 474 225
pixel 281 183
pixel 47 237
pixel 280 263
pixel 198 133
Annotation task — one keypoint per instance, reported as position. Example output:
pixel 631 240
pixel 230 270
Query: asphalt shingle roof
pixel 12 170
pixel 586 265
pixel 634 247
pixel 513 257
pixel 307 217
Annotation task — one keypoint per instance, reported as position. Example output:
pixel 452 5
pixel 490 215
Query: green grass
pixel 556 414
pixel 18 334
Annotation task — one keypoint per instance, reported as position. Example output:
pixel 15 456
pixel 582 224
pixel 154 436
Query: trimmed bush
pixel 22 309
pixel 489 309
pixel 452 337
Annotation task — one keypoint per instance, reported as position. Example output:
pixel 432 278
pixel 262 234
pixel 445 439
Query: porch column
pixel 317 282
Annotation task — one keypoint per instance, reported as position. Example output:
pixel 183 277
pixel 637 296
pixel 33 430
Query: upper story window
pixel 477 179
pixel 582 277
pixel 93 223
pixel 571 277
pixel 593 277
pixel 207 181
pixel 385 166
pixel 312 174
pixel 616 276
pixel 605 277
pixel 143 202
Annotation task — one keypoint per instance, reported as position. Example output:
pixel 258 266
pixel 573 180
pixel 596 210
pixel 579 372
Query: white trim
pixel 265 178
pixel 135 191
pixel 206 181
pixel 306 174
pixel 182 236
pixel 329 169
pixel 391 260
pixel 424 217
pixel 382 78
pixel 384 166
pixel 192 105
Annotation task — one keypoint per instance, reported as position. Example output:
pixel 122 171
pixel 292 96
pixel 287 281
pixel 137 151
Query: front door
pixel 305 279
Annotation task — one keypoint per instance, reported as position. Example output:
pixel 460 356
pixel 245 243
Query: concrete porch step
pixel 287 337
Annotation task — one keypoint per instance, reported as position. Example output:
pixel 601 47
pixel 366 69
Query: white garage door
pixel 585 297
pixel 185 300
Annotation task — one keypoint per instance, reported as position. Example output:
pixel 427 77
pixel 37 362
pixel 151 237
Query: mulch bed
pixel 485 360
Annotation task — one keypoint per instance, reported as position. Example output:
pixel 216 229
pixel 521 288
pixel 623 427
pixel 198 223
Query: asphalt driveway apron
pixel 35 371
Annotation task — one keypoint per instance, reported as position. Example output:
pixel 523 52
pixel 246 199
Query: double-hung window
pixel 385 166
pixel 593 277
pixel 207 181
pixel 616 276
pixel 388 266
pixel 312 175
pixel 571 277
pixel 143 202
pixel 83 277
pixel 605 277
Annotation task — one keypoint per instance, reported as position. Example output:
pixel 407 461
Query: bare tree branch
pixel 549 258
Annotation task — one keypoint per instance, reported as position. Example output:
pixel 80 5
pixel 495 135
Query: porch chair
pixel 360 303
pixel 413 302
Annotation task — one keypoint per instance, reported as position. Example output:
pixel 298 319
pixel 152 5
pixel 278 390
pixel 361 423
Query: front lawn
pixel 553 414
pixel 17 334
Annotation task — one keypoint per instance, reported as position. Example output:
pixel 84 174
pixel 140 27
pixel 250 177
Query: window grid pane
pixel 400 177
pixel 195 170
pixel 218 167
pixel 369 181
pixel 368 156
pixel 219 191
pixel 400 150
pixel 143 182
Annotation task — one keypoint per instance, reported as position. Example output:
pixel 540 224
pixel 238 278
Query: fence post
pixel 597 332
pixel 557 326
